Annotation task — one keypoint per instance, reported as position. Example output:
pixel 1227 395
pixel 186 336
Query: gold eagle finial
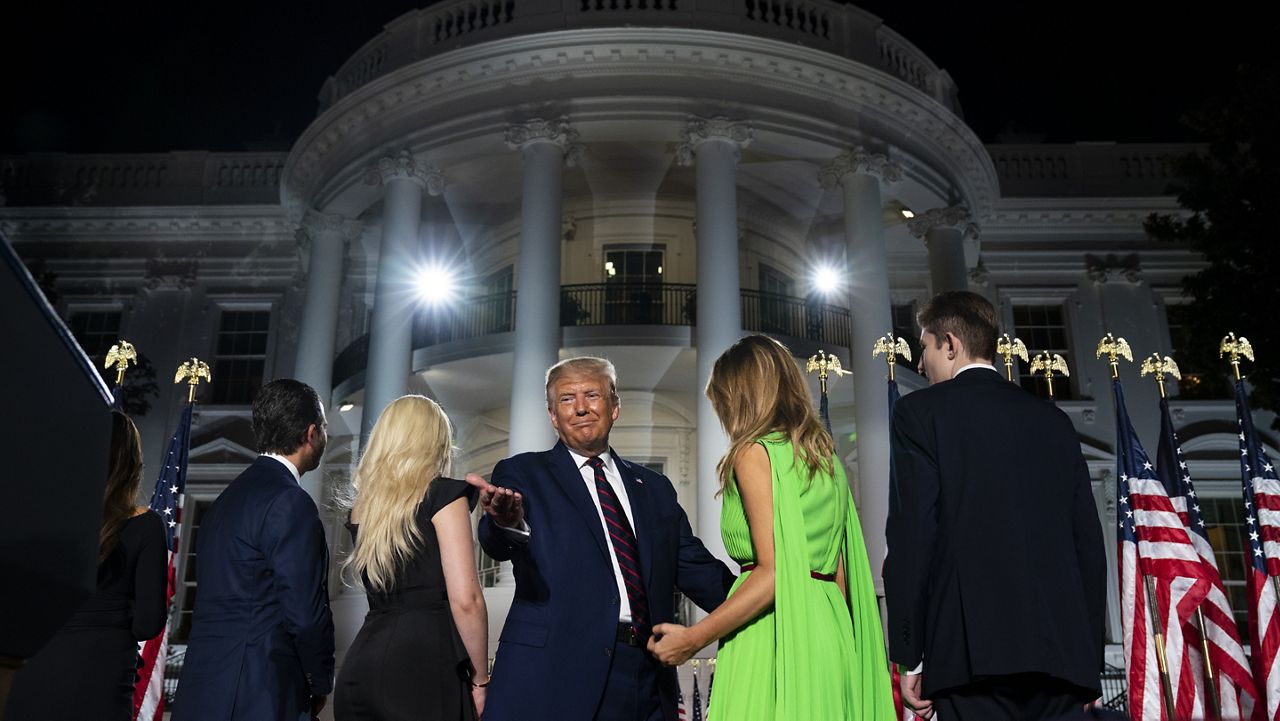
pixel 192 370
pixel 891 347
pixel 121 355
pixel 1048 365
pixel 1114 348
pixel 1009 347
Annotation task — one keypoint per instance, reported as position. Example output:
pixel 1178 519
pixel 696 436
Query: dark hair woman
pixel 88 669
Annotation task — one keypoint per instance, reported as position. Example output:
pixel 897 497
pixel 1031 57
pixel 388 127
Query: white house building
pixel 645 180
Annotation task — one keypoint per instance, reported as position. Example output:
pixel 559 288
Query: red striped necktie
pixel 624 544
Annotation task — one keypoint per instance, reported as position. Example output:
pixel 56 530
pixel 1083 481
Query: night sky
pixel 153 77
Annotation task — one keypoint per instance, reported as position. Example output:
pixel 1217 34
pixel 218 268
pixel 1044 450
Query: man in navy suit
pixel 995 581
pixel 599 545
pixel 261 644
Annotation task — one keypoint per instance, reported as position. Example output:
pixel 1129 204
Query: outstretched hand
pixel 503 505
pixel 672 644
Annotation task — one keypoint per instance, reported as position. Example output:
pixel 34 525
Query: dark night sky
pixel 159 76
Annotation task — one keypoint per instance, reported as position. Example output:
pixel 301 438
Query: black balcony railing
pixel 594 304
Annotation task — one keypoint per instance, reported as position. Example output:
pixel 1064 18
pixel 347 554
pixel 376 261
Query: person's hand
pixel 317 705
pixel 503 505
pixel 912 687
pixel 477 698
pixel 673 644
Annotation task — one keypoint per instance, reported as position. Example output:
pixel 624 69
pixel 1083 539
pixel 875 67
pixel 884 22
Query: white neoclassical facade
pixel 644 180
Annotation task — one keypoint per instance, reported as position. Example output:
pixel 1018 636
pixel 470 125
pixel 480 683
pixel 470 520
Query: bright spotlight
pixel 346 407
pixel 435 285
pixel 826 279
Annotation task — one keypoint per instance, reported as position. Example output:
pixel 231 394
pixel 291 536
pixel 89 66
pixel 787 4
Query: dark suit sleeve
pixel 499 544
pixel 699 575
pixel 1090 552
pixel 294 545
pixel 150 580
pixel 911 531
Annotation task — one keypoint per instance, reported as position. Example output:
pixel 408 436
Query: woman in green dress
pixel 800 635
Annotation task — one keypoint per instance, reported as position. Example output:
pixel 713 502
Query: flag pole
pixel 1236 347
pixel 1115 349
pixel 1008 348
pixel 1159 367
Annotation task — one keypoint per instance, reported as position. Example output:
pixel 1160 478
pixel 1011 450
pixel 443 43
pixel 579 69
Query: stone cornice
pixel 147 223
pixel 558 132
pixel 700 130
pixel 632 60
pixel 328 225
pixel 858 160
pixel 405 166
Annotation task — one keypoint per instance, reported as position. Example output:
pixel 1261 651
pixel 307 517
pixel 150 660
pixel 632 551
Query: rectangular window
pixel 633 285
pixel 1042 328
pixel 903 318
pixel 240 356
pixel 96 331
pixel 185 586
pixel 775 306
pixel 1224 520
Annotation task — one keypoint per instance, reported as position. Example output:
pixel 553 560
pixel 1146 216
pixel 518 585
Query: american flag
pixel 1232 676
pixel 1262 516
pixel 1160 570
pixel 166 500
pixel 697 697
pixel 681 713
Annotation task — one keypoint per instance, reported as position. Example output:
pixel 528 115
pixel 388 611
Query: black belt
pixel 632 636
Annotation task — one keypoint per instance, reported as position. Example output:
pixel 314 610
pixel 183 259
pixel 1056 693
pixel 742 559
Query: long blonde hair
pixel 124 476
pixel 756 389
pixel 409 447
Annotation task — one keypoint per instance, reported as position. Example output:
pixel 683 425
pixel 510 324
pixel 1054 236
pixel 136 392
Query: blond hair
pixel 582 366
pixel 409 447
pixel 756 389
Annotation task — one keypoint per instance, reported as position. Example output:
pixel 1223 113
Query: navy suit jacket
pixel 996 561
pixel 262 637
pixel 556 647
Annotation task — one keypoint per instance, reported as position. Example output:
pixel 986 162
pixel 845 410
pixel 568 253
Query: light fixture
pixel 659 270
pixel 826 279
pixel 435 284
pixel 344 407
pixel 908 213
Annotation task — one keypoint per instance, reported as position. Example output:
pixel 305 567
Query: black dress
pixel 88 669
pixel 408 661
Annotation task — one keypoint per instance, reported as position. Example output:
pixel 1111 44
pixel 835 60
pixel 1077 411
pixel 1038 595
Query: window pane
pixel 1042 328
pixel 241 351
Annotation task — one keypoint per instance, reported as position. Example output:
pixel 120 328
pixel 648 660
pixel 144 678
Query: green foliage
pixel 1229 193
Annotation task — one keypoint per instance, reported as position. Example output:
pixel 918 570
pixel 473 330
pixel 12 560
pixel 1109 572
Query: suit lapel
pixel 641 514
pixel 560 464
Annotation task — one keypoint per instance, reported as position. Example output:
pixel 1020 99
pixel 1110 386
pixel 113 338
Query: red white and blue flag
pixel 166 501
pixel 1232 675
pixel 1162 581
pixel 1262 523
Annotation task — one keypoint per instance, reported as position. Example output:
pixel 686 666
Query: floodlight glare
pixel 826 279
pixel 435 285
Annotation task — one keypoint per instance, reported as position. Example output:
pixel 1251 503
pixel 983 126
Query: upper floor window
pixel 1224 521
pixel 1042 328
pixel 96 331
pixel 627 266
pixel 240 357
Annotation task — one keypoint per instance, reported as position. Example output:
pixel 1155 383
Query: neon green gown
pixel 812 657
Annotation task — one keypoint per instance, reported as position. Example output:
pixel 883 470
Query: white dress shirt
pixel 615 481
pixel 293 470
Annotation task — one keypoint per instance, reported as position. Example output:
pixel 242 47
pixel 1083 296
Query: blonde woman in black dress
pixel 88 669
pixel 421 653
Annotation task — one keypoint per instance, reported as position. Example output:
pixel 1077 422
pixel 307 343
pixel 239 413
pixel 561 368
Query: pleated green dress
pixel 813 656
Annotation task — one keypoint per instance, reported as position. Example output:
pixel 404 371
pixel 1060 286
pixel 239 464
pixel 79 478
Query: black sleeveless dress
pixel 408 661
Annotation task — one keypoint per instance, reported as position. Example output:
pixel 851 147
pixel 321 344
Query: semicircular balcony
pixel 602 314
pixel 837 28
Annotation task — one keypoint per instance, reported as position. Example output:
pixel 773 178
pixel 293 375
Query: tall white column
pixel 391 328
pixel 325 237
pixel 714 147
pixel 545 145
pixel 945 231
pixel 860 173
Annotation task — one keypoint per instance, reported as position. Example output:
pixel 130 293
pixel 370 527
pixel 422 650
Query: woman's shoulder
pixel 145 522
pixel 444 490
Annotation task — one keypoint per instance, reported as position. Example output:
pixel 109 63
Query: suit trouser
pixel 631 690
pixel 1016 697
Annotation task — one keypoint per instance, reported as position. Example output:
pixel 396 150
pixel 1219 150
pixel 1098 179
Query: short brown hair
pixel 586 366
pixel 966 315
